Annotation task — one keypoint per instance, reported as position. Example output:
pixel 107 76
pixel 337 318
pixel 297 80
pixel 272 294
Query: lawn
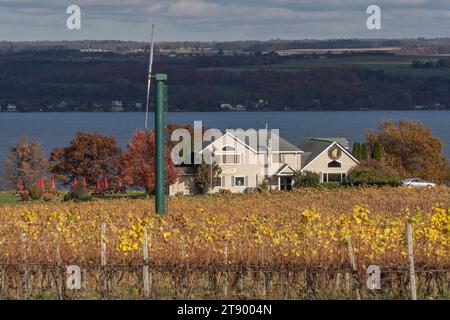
pixel 7 197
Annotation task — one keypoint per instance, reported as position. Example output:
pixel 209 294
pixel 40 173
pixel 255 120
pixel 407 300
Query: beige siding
pixel 320 164
pixel 183 186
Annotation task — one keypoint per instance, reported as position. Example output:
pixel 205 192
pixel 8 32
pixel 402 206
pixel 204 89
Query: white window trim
pixel 327 173
pixel 229 154
pixel 235 185
pixel 221 184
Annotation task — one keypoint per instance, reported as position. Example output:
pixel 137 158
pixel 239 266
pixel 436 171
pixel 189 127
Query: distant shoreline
pixel 237 112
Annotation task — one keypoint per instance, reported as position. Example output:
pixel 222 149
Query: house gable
pixel 323 162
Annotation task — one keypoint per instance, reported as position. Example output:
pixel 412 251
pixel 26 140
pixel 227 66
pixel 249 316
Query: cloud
pixel 224 19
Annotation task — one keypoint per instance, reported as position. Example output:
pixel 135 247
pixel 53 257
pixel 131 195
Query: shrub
pixel 264 185
pixel 357 150
pixel 225 192
pixel 306 179
pixel 331 185
pixel 86 198
pixel 35 193
pixel 67 197
pixel 25 196
pixel 79 191
pixel 376 154
pixel 364 152
pixel 48 196
pixel 373 173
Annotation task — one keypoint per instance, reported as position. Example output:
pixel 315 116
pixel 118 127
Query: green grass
pixel 7 197
pixel 399 65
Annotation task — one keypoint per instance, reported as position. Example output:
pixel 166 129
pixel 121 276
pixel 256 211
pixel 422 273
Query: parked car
pixel 416 182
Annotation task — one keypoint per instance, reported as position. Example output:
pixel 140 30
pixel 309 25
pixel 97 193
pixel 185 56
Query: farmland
pixel 271 245
pixel 390 64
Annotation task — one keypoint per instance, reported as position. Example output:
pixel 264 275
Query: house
pixel 117 106
pixel 330 157
pixel 248 161
pixel 11 108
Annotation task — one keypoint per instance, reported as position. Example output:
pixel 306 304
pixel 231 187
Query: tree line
pixel 36 82
pixel 91 163
pixel 431 64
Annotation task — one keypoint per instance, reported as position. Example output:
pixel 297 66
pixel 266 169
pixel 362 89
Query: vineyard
pixel 277 245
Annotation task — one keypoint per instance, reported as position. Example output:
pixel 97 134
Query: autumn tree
pixel 140 164
pixel 91 156
pixel 25 162
pixel 412 149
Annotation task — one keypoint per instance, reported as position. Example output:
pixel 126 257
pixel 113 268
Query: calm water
pixel 57 129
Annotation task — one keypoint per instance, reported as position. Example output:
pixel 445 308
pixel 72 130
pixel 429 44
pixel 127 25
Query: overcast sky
pixel 222 19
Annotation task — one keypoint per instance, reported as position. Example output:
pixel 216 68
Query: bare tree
pixel 26 161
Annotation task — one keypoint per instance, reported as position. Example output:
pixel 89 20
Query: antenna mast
pixel 149 78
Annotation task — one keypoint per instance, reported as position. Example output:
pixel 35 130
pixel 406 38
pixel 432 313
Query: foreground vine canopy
pixel 307 227
pixel 279 245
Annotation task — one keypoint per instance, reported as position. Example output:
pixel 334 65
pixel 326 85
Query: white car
pixel 416 182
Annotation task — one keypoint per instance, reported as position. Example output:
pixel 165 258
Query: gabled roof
pixel 283 145
pixel 313 147
pixel 285 169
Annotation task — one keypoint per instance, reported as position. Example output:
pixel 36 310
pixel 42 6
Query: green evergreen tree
pixel 376 154
pixel 364 152
pixel 357 150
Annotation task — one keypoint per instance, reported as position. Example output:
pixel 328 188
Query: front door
pixel 286 183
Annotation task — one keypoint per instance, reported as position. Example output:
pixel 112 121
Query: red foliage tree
pixel 91 156
pixel 139 162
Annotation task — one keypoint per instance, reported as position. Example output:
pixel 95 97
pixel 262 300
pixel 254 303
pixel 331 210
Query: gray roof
pixel 312 147
pixel 283 145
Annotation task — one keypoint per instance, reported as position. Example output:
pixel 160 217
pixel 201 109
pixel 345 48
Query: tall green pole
pixel 160 109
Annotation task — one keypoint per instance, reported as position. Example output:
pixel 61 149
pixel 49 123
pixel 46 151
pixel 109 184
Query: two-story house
pixel 248 161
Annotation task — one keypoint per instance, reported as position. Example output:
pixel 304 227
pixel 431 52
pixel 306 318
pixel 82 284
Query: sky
pixel 221 20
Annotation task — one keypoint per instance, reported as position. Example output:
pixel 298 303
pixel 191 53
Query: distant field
pixel 389 64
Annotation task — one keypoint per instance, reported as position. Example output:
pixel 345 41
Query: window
pixel 231 159
pixel 334 177
pixel 239 181
pixel 229 148
pixel 334 164
pixel 279 158
pixel 217 182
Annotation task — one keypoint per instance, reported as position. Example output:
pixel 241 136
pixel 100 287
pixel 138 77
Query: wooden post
pixel 347 283
pixel 2 279
pixel 262 274
pixel 23 239
pixel 338 282
pixel 225 273
pixel 59 284
pixel 103 278
pixel 412 275
pixel 145 274
pixel 355 270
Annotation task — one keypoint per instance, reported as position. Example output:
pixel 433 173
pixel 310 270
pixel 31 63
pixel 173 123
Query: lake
pixel 57 129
